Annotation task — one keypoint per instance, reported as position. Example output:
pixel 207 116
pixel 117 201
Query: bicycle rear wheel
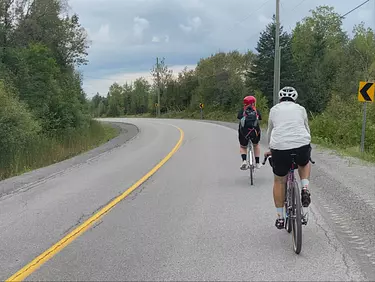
pixel 288 221
pixel 296 218
pixel 250 158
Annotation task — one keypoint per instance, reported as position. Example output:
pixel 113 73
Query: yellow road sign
pixel 366 91
pixel 201 105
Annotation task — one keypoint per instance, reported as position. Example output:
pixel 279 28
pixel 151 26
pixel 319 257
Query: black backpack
pixel 249 119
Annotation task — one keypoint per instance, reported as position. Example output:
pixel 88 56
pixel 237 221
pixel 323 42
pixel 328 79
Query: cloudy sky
pixel 128 35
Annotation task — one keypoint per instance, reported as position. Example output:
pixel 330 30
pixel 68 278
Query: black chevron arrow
pixel 364 91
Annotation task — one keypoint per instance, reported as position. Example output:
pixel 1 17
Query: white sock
pixel 305 183
pixel 280 212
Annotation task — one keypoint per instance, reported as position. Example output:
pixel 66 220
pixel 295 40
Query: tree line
pixel 322 61
pixel 43 108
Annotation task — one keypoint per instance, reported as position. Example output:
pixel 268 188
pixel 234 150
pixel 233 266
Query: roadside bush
pixel 341 124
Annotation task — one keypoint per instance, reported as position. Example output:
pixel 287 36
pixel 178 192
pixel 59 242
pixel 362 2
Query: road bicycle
pixel 251 160
pixel 294 218
pixel 250 156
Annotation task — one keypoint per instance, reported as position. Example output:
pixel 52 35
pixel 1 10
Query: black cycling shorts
pixel 282 160
pixel 254 136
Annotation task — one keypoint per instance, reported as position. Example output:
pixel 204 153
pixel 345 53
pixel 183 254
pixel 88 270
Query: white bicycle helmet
pixel 288 91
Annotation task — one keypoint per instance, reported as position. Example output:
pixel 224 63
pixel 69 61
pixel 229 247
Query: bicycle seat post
pixel 293 160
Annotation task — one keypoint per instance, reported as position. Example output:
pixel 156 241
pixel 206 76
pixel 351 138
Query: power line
pixel 352 10
pixel 299 4
pixel 291 10
pixel 295 7
pixel 251 14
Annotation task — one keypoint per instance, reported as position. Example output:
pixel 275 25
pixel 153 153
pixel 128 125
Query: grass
pixel 45 151
pixel 349 151
pixel 344 151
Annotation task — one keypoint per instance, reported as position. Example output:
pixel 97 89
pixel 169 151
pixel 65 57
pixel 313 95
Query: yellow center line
pixel 52 251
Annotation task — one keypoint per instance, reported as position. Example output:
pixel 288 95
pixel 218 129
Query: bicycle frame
pixel 250 153
pixel 250 158
pixel 289 186
pixel 250 149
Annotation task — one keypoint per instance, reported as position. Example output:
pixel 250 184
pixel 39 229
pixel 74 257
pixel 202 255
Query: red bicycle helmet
pixel 249 100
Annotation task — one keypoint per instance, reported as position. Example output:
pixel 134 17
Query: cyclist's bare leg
pixel 257 154
pixel 279 197
pixel 304 171
pixel 243 152
pixel 304 174
pixel 279 191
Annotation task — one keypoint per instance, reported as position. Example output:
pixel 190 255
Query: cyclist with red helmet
pixel 249 128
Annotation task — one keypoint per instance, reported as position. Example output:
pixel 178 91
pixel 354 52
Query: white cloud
pixel 140 25
pixel 186 28
pixel 102 36
pixel 193 24
pixel 125 32
pixel 155 39
pixel 101 85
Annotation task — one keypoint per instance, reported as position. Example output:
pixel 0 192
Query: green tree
pixel 318 43
pixel 162 76
pixel 187 85
pixel 359 59
pixel 261 72
pixel 140 95
pixel 115 100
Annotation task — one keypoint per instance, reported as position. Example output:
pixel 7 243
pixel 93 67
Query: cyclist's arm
pixel 269 129
pixel 306 121
pixel 240 114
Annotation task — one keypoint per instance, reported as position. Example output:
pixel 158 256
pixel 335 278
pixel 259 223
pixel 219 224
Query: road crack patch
pixel 332 244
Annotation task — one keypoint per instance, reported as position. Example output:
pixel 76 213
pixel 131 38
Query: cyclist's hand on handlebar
pixel 266 155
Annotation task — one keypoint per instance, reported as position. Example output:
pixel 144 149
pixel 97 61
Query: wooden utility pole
pixel 276 81
pixel 158 85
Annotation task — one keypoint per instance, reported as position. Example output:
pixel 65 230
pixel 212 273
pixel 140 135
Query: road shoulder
pixel 30 179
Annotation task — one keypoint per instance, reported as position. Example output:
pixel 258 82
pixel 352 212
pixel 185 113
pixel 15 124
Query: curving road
pixel 196 218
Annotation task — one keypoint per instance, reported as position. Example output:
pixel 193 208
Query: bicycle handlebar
pixel 268 156
pixel 265 159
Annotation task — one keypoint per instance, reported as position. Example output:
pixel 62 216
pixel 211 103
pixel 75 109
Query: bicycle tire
pixel 297 219
pixel 288 222
pixel 251 165
pixel 251 176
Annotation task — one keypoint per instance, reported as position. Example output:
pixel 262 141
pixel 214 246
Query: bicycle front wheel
pixel 250 158
pixel 251 175
pixel 296 218
pixel 288 220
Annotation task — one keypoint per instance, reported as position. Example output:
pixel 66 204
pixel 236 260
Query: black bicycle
pixel 294 218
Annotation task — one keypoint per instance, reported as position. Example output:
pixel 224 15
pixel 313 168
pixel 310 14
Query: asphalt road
pixel 196 218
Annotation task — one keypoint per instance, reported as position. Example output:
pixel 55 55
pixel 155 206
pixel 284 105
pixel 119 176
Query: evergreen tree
pixel 261 75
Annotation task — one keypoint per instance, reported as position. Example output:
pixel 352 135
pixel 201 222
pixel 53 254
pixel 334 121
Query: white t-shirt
pixel 288 126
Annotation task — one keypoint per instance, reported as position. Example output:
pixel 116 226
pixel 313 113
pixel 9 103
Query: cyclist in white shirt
pixel 288 132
